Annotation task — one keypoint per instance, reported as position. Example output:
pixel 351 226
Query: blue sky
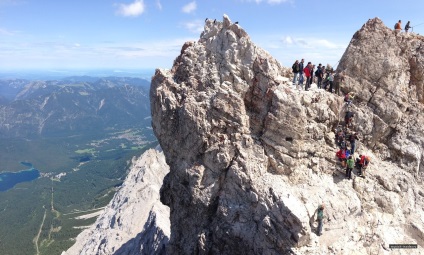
pixel 136 34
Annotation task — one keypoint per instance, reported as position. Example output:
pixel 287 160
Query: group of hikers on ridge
pixel 398 26
pixel 345 138
pixel 323 76
pixel 344 135
pixel 345 155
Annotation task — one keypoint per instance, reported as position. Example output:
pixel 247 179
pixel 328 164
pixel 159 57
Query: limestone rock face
pixel 386 71
pixel 251 158
pixel 135 221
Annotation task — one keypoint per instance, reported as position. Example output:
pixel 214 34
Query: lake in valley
pixel 8 179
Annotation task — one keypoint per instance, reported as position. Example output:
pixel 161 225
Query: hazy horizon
pixel 145 73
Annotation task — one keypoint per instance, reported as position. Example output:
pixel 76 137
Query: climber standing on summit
pixel 301 72
pixel 319 74
pixel 307 71
pixel 308 74
pixel 398 26
pixel 295 69
pixel 407 26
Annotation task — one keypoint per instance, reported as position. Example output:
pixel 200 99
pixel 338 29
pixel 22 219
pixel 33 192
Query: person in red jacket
pixel 307 71
pixel 341 154
pixel 363 164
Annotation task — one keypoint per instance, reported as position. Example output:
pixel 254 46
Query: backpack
pixel 395 25
pixel 317 72
pixel 294 68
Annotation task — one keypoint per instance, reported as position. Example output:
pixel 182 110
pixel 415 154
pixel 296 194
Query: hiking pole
pixel 418 25
pixel 412 27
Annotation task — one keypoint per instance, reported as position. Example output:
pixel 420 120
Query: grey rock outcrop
pixel 251 158
pixel 385 69
pixel 135 221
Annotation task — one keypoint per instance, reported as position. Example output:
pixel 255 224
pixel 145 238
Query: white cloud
pixel 287 40
pixel 327 44
pixel 195 26
pixel 190 7
pixel 159 5
pixel 286 49
pixel 311 43
pixel 150 54
pixel 131 10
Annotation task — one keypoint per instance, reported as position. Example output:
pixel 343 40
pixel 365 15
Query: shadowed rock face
pixel 386 71
pixel 213 114
pixel 251 158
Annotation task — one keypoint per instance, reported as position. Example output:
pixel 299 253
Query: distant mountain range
pixel 71 105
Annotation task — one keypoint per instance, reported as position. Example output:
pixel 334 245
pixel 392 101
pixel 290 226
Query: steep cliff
pixel 135 221
pixel 385 69
pixel 251 158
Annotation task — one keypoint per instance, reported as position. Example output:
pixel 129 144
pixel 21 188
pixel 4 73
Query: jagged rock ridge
pixel 386 71
pixel 135 221
pixel 251 158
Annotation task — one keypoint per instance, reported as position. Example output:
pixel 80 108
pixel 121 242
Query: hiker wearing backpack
pixel 340 137
pixel 363 163
pixel 348 118
pixel 350 164
pixel 398 26
pixel 295 70
pixel 352 139
pixel 319 74
pixel 358 163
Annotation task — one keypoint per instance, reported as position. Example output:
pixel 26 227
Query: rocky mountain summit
pixel 386 72
pixel 251 158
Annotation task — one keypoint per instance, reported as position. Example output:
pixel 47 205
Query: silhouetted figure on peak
pixel 407 26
